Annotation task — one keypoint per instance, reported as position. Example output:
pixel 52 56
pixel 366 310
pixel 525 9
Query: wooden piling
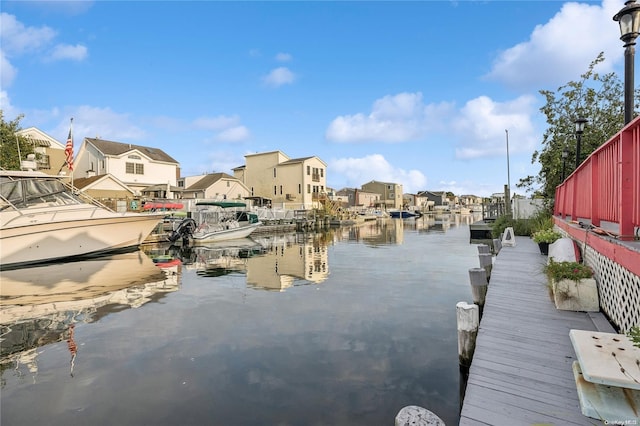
pixel 468 320
pixel 483 248
pixel 497 245
pixel 486 262
pixel 479 284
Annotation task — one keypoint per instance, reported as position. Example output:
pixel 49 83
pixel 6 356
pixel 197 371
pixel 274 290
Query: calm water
pixel 338 328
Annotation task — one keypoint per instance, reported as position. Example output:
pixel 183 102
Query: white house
pixel 136 166
pixel 50 155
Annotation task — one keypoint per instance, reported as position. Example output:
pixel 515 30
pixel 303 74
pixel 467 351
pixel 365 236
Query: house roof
pixel 295 160
pixel 207 181
pixel 119 148
pixel 88 182
pixel 39 138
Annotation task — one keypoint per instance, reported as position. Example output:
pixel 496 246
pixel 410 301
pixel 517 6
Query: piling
pixel 468 320
pixel 483 248
pixel 479 284
pixel 486 262
pixel 497 245
pixel 413 415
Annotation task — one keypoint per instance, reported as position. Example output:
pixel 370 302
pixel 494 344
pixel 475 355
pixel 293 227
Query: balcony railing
pixel 604 191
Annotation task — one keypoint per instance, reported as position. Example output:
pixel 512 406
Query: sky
pixel 435 95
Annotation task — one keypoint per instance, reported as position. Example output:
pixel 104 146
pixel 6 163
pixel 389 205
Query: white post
pixel 479 284
pixel 468 319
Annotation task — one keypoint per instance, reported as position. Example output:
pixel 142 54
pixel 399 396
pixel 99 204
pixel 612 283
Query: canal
pixel 343 327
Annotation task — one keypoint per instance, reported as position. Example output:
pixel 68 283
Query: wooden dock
pixel 521 371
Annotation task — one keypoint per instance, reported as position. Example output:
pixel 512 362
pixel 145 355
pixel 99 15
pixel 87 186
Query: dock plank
pixel 521 370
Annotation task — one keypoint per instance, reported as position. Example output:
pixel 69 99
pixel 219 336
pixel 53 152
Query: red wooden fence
pixel 604 191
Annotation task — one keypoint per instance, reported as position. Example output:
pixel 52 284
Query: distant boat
pixel 216 221
pixel 42 219
pixel 404 214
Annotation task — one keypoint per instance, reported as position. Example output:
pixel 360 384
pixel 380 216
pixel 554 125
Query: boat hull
pixel 225 234
pixel 41 241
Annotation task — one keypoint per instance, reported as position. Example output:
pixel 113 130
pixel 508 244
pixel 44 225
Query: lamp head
pixel 629 19
pixel 580 124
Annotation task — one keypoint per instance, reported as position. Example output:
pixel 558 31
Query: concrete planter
pixel 570 295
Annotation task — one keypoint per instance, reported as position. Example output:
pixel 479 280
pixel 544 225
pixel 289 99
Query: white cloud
pixel 227 128
pixel 283 57
pixel 279 77
pixel 17 38
pixel 103 123
pixel 234 134
pixel 480 126
pixel 358 171
pixel 66 51
pixel 7 71
pixel 398 118
pixel 8 111
pixel 561 50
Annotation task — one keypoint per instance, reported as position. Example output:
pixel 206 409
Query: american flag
pixel 68 150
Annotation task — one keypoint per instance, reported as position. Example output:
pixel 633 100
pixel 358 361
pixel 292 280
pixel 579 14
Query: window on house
pixel 228 184
pixel 308 188
pixel 274 172
pixel 129 168
pixel 134 157
pixel 139 168
pixel 308 170
pixel 299 188
pixel 321 172
pixel 275 190
pixel 252 191
pixel 280 189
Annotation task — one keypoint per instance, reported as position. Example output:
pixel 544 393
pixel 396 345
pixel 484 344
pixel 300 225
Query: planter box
pixel 570 295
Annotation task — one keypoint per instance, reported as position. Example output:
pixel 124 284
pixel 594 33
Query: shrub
pixel 575 271
pixel 634 335
pixel 546 236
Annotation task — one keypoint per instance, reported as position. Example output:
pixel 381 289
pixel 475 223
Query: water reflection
pixel 358 322
pixel 41 305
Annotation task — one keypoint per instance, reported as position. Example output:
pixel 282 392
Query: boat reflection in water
pixel 40 305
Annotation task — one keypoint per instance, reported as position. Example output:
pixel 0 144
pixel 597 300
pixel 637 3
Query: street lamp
pixel 629 20
pixel 565 154
pixel 580 123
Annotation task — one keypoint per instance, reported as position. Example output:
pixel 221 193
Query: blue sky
pixel 420 93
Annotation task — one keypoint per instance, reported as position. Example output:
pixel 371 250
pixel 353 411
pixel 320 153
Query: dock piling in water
pixel 468 320
pixel 479 283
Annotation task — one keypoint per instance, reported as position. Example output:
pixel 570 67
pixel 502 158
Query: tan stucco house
pixel 390 193
pixel 50 156
pixel 298 183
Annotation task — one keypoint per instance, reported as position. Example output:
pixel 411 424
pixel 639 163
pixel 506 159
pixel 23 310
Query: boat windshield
pixel 23 193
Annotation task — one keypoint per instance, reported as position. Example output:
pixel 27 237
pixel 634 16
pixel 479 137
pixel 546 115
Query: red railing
pixel 605 189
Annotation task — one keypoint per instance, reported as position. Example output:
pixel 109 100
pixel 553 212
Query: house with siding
pixel 390 193
pixel 218 186
pixel 109 190
pixel 137 166
pixel 294 183
pixel 50 156
pixel 358 198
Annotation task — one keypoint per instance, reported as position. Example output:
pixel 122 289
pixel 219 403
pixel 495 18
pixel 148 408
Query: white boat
pixel 42 220
pixel 216 221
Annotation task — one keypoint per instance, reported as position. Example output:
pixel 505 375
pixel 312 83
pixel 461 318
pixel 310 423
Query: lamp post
pixel 565 154
pixel 580 123
pixel 629 20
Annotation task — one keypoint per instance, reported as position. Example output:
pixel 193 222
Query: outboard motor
pixel 184 230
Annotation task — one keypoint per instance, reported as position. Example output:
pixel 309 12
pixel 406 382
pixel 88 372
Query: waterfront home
pixel 437 200
pixel 136 166
pixel 358 198
pixel 50 157
pixel 417 202
pixel 217 186
pixel 292 183
pixel 390 193
pixel 109 190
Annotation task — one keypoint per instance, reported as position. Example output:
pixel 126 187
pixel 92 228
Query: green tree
pixel 597 97
pixel 13 148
